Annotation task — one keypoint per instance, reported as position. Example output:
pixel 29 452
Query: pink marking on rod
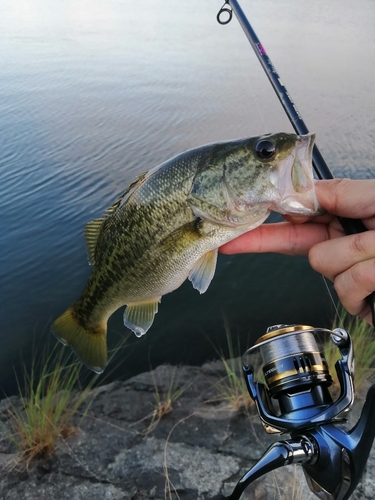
pixel 261 49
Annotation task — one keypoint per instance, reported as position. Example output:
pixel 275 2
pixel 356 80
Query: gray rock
pixel 197 450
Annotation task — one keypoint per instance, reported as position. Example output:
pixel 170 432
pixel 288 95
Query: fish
pixel 169 223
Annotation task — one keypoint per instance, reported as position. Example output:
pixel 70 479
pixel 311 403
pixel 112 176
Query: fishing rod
pixel 293 396
pixel 350 226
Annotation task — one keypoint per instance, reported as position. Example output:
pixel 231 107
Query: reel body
pixel 293 397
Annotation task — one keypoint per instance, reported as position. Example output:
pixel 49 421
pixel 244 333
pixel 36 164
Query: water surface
pixel 93 93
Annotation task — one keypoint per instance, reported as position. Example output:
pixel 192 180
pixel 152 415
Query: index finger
pixel 280 237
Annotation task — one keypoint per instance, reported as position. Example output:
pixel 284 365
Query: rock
pixel 196 451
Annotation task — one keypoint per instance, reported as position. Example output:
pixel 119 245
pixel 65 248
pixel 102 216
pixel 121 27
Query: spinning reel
pixel 293 397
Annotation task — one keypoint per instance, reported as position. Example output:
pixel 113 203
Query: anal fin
pixel 139 316
pixel 203 271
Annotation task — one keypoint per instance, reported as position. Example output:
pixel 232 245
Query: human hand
pixel 348 261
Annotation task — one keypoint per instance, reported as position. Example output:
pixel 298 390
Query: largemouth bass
pixel 169 223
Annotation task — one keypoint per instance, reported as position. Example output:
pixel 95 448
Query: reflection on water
pixel 92 93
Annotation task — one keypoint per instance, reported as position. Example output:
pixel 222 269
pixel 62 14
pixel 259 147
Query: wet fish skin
pixel 167 227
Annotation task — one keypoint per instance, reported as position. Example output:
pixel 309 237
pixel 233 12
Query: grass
pixel 294 489
pixel 362 335
pixel 232 387
pixel 170 491
pixel 164 401
pixel 49 401
pixel 52 402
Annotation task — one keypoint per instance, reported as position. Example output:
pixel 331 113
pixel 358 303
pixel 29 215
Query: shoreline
pixel 199 449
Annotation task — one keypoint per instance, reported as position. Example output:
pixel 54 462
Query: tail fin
pixel 89 344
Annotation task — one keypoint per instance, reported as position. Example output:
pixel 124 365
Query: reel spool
pixel 295 390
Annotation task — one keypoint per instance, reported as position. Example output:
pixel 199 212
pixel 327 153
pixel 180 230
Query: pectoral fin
pixel 203 271
pixel 140 315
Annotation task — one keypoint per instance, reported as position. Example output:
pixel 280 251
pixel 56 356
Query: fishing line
pixel 246 69
pixel 332 300
pixel 287 345
pixel 258 108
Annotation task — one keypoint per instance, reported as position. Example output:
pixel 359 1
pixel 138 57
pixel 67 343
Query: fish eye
pixel 265 149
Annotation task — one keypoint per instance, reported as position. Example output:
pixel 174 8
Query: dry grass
pixel 295 487
pixel 164 400
pixel 170 492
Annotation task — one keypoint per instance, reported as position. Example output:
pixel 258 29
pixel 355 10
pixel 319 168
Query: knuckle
pixel 363 243
pixel 357 281
pixel 339 186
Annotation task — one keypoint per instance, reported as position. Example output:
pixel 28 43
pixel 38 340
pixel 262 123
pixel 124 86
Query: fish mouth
pixel 297 180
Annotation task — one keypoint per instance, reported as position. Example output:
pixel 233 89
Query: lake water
pixel 94 92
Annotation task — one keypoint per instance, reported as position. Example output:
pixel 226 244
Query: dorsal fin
pixel 132 187
pixel 91 232
pixel 92 228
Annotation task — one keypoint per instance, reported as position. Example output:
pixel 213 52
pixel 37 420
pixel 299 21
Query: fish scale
pixel 169 223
